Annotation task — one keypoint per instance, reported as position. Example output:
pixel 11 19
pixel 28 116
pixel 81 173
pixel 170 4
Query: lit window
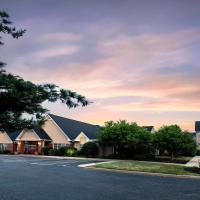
pixel 3 147
pixel 58 145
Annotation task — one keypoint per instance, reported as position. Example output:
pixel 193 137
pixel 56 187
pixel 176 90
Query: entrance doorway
pixel 30 147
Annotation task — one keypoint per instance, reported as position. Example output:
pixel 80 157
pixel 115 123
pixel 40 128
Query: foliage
pixel 61 151
pixel 127 138
pixel 198 152
pixel 169 138
pixel 19 97
pixel 175 141
pixel 45 150
pixel 189 146
pixel 139 139
pixel 5 152
pixel 89 149
pixel 114 133
pixel 5 26
pixel 53 152
pixel 70 151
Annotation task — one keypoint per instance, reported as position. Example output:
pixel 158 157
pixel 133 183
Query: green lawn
pixel 144 166
pixel 181 159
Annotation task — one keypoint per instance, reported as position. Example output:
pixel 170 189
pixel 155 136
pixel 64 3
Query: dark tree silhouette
pixel 20 100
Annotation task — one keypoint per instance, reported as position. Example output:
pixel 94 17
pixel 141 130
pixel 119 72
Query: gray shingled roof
pixel 73 128
pixel 41 133
pixel 197 126
pixel 13 134
pixel 149 128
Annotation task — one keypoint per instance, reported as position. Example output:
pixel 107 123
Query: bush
pixel 70 151
pixel 5 152
pixel 198 152
pixel 89 149
pixel 45 150
pixel 53 152
pixel 61 151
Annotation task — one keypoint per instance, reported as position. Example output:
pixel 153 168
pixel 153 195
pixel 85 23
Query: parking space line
pixel 53 163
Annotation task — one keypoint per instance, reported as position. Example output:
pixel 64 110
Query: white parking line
pixel 17 160
pixel 53 163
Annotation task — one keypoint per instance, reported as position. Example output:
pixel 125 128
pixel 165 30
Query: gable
pixel 28 135
pixel 4 138
pixel 73 128
pixel 55 133
pixel 82 138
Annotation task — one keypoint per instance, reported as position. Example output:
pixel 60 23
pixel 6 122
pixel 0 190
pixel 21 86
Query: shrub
pixel 198 152
pixel 5 152
pixel 53 152
pixel 89 149
pixel 61 151
pixel 45 150
pixel 70 151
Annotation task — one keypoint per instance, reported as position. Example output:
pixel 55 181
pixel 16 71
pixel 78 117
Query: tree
pixel 189 146
pixel 127 138
pixel 139 139
pixel 114 134
pixel 19 98
pixel 170 138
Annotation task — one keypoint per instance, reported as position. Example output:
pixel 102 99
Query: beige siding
pixel 4 138
pixel 82 138
pixel 55 133
pixel 28 135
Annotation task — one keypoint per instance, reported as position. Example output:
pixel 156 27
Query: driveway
pixel 24 178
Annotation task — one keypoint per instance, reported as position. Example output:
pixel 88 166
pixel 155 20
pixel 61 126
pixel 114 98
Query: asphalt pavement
pixel 29 178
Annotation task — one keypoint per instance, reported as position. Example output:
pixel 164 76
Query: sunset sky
pixel 137 60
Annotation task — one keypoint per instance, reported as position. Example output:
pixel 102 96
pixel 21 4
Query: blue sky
pixel 136 60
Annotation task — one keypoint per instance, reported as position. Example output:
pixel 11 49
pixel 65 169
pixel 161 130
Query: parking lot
pixel 39 178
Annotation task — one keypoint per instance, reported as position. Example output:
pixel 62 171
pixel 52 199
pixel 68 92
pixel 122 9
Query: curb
pixel 93 164
pixel 57 157
pixel 144 173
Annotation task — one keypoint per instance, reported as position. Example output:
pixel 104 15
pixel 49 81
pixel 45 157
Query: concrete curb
pixel 144 173
pixel 57 157
pixel 93 164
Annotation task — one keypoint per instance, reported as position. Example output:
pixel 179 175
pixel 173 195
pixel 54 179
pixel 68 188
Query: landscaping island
pixel 144 166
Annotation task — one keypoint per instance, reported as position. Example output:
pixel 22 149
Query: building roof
pixel 41 133
pixel 197 126
pixel 149 128
pixel 13 134
pixel 73 128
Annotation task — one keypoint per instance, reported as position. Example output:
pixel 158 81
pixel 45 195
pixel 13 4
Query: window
pixel 58 145
pixel 3 147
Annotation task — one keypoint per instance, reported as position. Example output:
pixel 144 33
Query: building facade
pixel 56 132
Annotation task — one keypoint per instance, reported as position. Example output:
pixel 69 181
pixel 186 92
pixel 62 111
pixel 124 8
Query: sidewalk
pixel 194 162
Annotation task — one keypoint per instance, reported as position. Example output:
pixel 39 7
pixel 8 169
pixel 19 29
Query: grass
pixel 152 158
pixel 181 159
pixel 144 166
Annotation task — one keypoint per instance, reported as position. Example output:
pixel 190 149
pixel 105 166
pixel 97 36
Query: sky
pixel 136 60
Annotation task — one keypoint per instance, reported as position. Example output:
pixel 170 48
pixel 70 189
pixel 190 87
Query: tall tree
pixel 127 138
pixel 175 141
pixel 19 98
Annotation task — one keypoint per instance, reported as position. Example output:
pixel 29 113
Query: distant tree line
pixel 129 139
